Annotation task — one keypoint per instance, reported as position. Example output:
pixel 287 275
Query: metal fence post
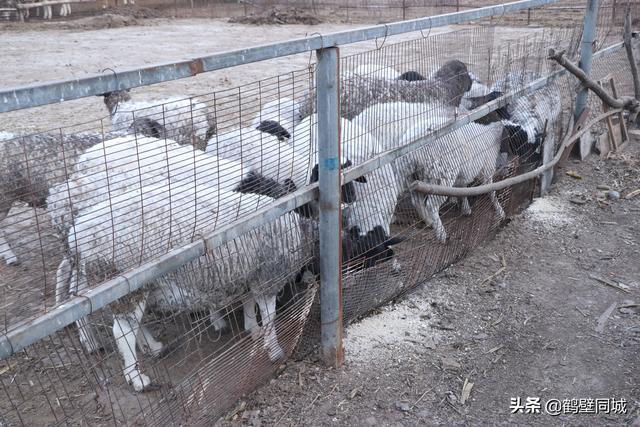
pixel 328 105
pixel 586 51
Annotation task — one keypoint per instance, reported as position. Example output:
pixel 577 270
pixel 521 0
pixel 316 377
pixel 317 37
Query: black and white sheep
pixel 184 120
pixel 447 86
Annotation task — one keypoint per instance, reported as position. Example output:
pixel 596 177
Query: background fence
pixel 124 199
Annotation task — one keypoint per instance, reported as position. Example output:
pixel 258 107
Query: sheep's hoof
pixel 153 349
pixel 139 381
pixel 12 261
pixel 275 352
pixel 220 325
pixel 396 266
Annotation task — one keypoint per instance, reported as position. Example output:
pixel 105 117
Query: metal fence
pixel 183 239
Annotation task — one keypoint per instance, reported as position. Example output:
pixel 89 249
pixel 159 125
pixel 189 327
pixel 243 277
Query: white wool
pixel 376 71
pixel 388 122
pixel 122 166
pixel 263 153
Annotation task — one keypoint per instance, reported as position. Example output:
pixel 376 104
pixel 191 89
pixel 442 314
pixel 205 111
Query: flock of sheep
pixel 159 181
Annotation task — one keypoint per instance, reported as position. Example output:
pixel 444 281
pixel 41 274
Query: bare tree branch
pixel 632 61
pixel 625 102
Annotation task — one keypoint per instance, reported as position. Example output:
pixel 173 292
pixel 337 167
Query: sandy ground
pixel 520 317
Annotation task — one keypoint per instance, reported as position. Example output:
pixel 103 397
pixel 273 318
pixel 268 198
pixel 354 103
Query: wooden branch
pixel 629 49
pixel 625 102
pixel 425 188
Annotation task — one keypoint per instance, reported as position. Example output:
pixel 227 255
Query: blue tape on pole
pixel 330 164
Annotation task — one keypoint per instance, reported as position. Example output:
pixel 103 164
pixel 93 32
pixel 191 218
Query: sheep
pixel 186 121
pixel 29 166
pixel 448 85
pixel 455 159
pixel 284 111
pixel 264 154
pixel 110 238
pixel 536 112
pixel 121 166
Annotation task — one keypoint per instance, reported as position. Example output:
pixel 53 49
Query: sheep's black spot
pixel 148 127
pixel 369 250
pixel 256 183
pixel 411 76
pixel 274 128
pixel 348 190
pixel 501 113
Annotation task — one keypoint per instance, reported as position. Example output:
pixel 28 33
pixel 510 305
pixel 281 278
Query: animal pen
pixel 167 221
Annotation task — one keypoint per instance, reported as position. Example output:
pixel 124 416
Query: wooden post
pixel 612 136
pixel 623 125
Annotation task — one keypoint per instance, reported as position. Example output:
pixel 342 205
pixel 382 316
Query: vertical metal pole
pixel 328 105
pixel 404 10
pixel 586 52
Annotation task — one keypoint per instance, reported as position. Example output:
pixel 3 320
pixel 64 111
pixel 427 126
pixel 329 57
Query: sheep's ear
pixel 347 164
pixel 361 179
pixel 395 240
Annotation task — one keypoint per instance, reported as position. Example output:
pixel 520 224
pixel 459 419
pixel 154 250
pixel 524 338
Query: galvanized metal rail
pixel 53 92
pixel 29 332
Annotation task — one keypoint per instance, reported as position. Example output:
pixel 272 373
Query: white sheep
pixel 110 238
pixel 456 159
pixel 30 165
pixel 122 167
pixel 184 120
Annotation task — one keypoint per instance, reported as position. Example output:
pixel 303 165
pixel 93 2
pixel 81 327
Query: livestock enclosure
pixel 150 259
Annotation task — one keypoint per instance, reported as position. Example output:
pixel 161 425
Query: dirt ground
pixel 521 317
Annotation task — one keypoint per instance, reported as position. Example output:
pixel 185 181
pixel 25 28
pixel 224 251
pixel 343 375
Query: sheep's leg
pixel 465 208
pixel 6 252
pixel 433 204
pixel 63 278
pixel 126 327
pixel 85 330
pixel 250 317
pixel 418 201
pixel 147 343
pixel 218 322
pixel 267 306
pixel 488 179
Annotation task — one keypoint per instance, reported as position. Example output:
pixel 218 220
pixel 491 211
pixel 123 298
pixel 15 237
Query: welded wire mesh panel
pixel 195 340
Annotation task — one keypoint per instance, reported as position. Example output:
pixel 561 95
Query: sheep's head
pixel 112 99
pixel 274 128
pixel 148 127
pixel 348 190
pixel 365 251
pixel 456 76
pixel 255 183
pixel 516 141
pixel 501 113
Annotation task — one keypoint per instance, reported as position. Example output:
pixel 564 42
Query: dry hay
pixel 277 17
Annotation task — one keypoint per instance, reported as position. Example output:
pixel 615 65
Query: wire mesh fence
pixel 87 204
